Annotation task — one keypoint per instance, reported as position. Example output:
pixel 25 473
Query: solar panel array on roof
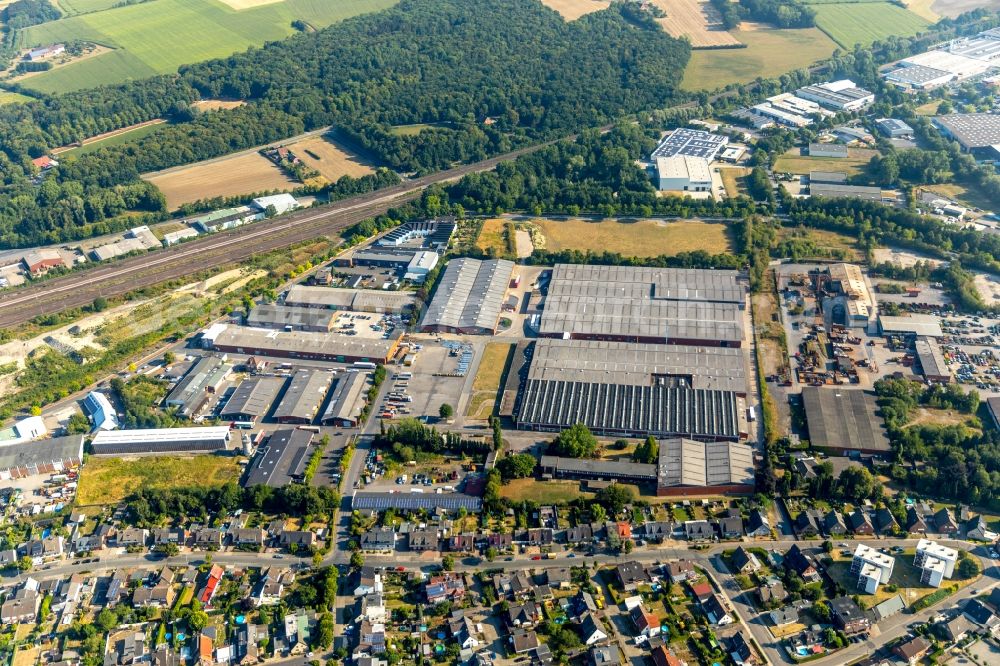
pixel 637 410
pixel 690 142
pixel 469 296
pixel 371 501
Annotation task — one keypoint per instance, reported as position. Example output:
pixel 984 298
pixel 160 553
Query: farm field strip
pixel 241 174
pixel 112 138
pixel 698 20
pixel 864 23
pixel 329 158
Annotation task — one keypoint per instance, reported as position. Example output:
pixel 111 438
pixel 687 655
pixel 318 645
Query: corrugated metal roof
pixel 469 294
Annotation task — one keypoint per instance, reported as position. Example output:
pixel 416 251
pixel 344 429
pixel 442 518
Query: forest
pixel 440 62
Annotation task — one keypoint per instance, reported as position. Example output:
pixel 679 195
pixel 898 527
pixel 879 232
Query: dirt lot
pixel 901 257
pixel 697 19
pixel 574 9
pixel 989 288
pixel 227 176
pixel 329 159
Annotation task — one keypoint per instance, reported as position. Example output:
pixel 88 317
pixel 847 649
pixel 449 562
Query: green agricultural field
pixel 115 140
pixel 159 36
pixel 13 98
pixel 864 23
pixel 74 7
pixel 769 52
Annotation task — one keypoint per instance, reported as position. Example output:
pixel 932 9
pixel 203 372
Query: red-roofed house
pixel 701 591
pixel 645 622
pixel 664 657
pixel 211 585
pixel 44 162
pixel 624 530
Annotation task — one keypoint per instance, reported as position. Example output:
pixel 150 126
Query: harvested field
pixel 794 162
pixel 574 9
pixel 697 20
pixel 642 238
pixel 217 104
pixel 329 158
pixel 106 481
pixel 223 177
pixel 769 52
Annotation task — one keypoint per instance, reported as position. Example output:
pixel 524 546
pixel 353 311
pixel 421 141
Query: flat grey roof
pixel 189 392
pixel 831 190
pixel 253 397
pixel 268 315
pixel 371 501
pixel 291 343
pixel 915 324
pixel 469 294
pixel 972 130
pixel 610 467
pixel 613 408
pixel 846 419
pixel 685 462
pixel 830 177
pixel 359 300
pixel 637 364
pixel 828 148
pixel 345 399
pixel 305 395
pixel 31 454
pixel 931 358
pixel 626 301
pixel 916 74
pixel 282 460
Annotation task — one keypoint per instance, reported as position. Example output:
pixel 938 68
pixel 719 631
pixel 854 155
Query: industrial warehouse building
pixel 356 300
pixel 844 421
pixel 648 305
pixel 690 142
pixel 914 324
pixel 252 399
pixel 282 460
pixel 431 233
pixel 683 173
pixel 687 467
pixel 931 360
pixel 625 363
pixel 285 317
pixel 629 411
pixel 304 345
pixel 469 297
pixel 161 440
pixel 204 378
pixel 304 397
pixel 834 150
pixel 46 456
pixel 841 95
pixel 977 133
pixel 346 400
pixel 859 305
pixel 839 191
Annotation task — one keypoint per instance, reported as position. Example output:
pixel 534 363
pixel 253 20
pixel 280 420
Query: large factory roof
pixel 931 358
pixel 157 440
pixel 469 294
pixel 721 368
pixel 843 419
pixel 359 300
pixel 684 462
pixel 305 395
pixel 611 301
pixel 267 315
pixel 42 452
pixel 691 142
pixel 292 343
pixel 253 397
pixel 415 501
pixel 283 459
pixel 617 468
pixel 655 410
pixel 345 399
pixel 972 130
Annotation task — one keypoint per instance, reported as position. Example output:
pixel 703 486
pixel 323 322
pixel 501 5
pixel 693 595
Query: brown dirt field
pixel 696 19
pixel 216 104
pixel 224 177
pixel 334 161
pixel 574 9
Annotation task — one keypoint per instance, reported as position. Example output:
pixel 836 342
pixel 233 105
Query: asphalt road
pixel 119 277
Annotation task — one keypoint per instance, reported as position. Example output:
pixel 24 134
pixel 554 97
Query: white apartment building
pixel 936 562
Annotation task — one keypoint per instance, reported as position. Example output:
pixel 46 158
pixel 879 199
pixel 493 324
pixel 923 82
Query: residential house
pixel 956 628
pixel 526 614
pixel 297 539
pixel 580 605
pixel 976 528
pixel 630 575
pixel 366 581
pixel 446 587
pixel 744 561
pixel 701 591
pixel 215 575
pixel 646 624
pixel 699 530
pixel 267 591
pixel 847 616
pixel 773 590
pixel 249 537
pixel 664 657
pixel 163 536
pixel 131 537
pixel 915 523
pixel 944 522
pixel 730 527
pixel 378 540
pixel 809 523
pixel 833 524
pixel 561 578
pixel 859 523
pixel 523 640
pixel 740 651
pixel 22 606
pixel 912 650
pixel 463 630
pixel 128 649
pixel 209 538
pixel 802 564
pixel 247 646
pixel 298 631
pixel 591 631
pixel 758 524
pixel 421 541
pixel 781 617
pixel 515 585
pixel 715 611
pixel 502 542
pixel 981 614
pixel 462 543
pixel 579 534
pixel 680 571
pixel 885 522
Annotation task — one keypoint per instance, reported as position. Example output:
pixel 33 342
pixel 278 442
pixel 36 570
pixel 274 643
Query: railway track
pixel 81 288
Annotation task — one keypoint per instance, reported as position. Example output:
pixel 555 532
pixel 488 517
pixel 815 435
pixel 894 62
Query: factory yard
pixel 697 20
pixel 243 173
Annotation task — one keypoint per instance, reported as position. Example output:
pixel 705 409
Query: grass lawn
pixel 863 23
pixel 13 98
pixel 828 240
pixel 769 52
pixel 543 492
pixel 158 37
pixel 491 235
pixel 487 382
pixel 795 162
pixel 414 129
pixel 643 238
pixel 928 109
pixel 110 480
pixel 942 417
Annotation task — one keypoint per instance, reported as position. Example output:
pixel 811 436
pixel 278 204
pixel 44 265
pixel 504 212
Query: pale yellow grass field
pixel 644 238
pixel 334 161
pixel 217 104
pixel 697 20
pixel 224 177
pixel 249 4
pixel 574 9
